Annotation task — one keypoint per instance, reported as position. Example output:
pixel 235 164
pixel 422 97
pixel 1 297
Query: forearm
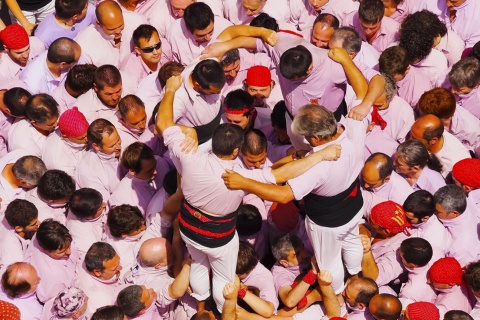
pixel 16 11
pixel 228 310
pixel 269 192
pixel 294 296
pixel 330 301
pixel 165 112
pixel 369 266
pixel 260 306
pixel 296 168
pixel 375 90
pixel 233 32
pixel 356 79
pixel 179 286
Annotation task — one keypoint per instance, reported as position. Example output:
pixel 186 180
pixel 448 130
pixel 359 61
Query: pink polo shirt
pixel 125 248
pixel 132 21
pixel 234 11
pixel 202 184
pixel 9 69
pixel 262 278
pixel 464 126
pixel 29 306
pixel 404 8
pixel 470 101
pixel 396 189
pixel 433 231
pixel 326 76
pixel 452 152
pixel 64 99
pixel 435 67
pixel 92 108
pixel 86 232
pixel 474 197
pixel 368 56
pixel 379 140
pixel 283 277
pixel 452 46
pixel 45 211
pixel 413 85
pixel 12 246
pixel 185 48
pixel 39 78
pixel 388 259
pixel 136 67
pixel 436 6
pixel 149 89
pixel 7 192
pixel 429 180
pixel 386 35
pixel 455 299
pixel 56 274
pixel 23 135
pixel 96 48
pixel 464 23
pixel 399 117
pixel 98 171
pixel 6 122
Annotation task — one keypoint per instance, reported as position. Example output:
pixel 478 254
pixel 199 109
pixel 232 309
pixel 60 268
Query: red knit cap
pixel 72 123
pixel 9 311
pixel 467 172
pixel 284 216
pixel 14 37
pixel 337 318
pixel 445 271
pixel 259 76
pixel 390 215
pixel 422 311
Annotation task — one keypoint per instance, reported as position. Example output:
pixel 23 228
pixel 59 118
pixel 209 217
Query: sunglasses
pixel 150 49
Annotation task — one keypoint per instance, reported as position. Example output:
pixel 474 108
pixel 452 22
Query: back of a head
pixel 383 162
pixel 439 102
pixel 85 202
pixel 315 120
pixel 457 315
pixel 255 142
pixel 472 276
pixel 465 73
pixel 239 102
pixel 171 68
pixel 475 53
pixel 284 245
pixel 14 282
pixel 124 219
pixel 367 287
pixel 247 258
pixel 278 115
pixel 393 61
pixel 130 104
pixel 30 169
pixel 62 50
pixel 108 313
pixel 421 203
pixel 97 129
pixel 129 300
pixel 15 99
pixel 209 73
pixel 170 181
pixel 231 56
pixel 417 251
pixel 107 76
pixel 198 16
pixel 66 9
pixel 226 138
pixel 417 44
pixel 385 306
pixel 295 62
pixel 371 11
pixel 41 107
pixel 97 254
pixel 134 154
pixel 432 126
pixel 52 235
pixel 349 37
pixel 20 213
pixel 263 20
pixel 55 185
pixel 80 77
pixel 249 220
pixel 451 198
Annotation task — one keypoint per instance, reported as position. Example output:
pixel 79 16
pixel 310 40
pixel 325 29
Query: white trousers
pixel 222 261
pixel 334 247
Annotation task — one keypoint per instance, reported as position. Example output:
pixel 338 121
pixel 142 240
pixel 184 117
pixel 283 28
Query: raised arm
pixel 180 285
pixel 375 89
pixel 18 14
pixel 165 111
pixel 354 76
pixel 369 266
pixel 232 32
pixel 230 292
pixel 260 306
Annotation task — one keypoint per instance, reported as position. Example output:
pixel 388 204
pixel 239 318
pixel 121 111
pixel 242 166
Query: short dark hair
pixel 52 235
pixel 80 77
pixel 169 69
pixel 294 62
pixel 263 20
pixel 55 185
pixel 238 100
pixel 124 219
pixel 129 299
pixel 386 164
pixel 133 155
pixel 129 103
pixel 208 73
pixel 371 11
pixel 433 132
pixel 255 142
pixel 472 276
pixel 97 254
pixel 20 213
pixel 475 53
pixel 452 198
pixel 41 107
pixel 66 9
pixel 226 138
pixel 369 289
pixel 278 115
pixel 457 315
pixel 328 19
pixel 85 202
pixel 393 60
pixel 144 31
pixel 62 50
pixel 247 258
pixel 198 16
pixel 30 169
pixel 108 313
pixel 420 203
pixel 417 251
pixel 15 99
pixel 107 76
pixel 14 290
pixel 249 220
pixel 96 130
pixel 230 57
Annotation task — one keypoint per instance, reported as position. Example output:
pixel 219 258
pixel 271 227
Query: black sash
pixel 205 131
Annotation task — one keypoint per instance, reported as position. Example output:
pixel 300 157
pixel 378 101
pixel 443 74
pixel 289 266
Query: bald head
pixel 155 252
pixel 427 129
pixel 377 170
pixel 110 19
pixel 20 279
pixel 385 307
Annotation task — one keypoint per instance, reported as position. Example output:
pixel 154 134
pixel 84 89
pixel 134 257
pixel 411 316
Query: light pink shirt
pixel 98 171
pixel 132 21
pixel 23 135
pixel 379 140
pixel 456 299
pixel 92 108
pixel 56 274
pixel 464 127
pixel 149 89
pixel 7 192
pixel 388 259
pixel 6 122
pixel 12 246
pixel 404 8
pixel 86 232
pixel 474 197
pixel 465 22
pixel 262 278
pixel 452 47
pixel 433 231
pixel 96 49
pixel 399 117
pixel 429 180
pixel 64 99
pixel 9 69
pixel 367 55
pixel 126 249
pixel 396 189
pixel 386 35
pixel 30 308
pixel 39 78
pixel 45 211
pixel 58 154
pixel 452 152
pixel 470 101
pixel 283 277
pixel 185 48
pixel 202 185
pixel 435 67
pixel 413 86
pixel 155 206
pixel 234 11
pixel 136 67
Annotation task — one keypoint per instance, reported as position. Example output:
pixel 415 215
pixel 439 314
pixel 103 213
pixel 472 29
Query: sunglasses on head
pixel 150 49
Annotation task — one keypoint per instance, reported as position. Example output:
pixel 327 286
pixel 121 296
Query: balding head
pixel 377 170
pixel 155 252
pixel 20 279
pixel 428 130
pixel 110 19
pixel 385 307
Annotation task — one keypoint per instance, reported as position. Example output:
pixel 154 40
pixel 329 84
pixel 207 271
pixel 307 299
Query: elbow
pixel 268 312
pixel 290 303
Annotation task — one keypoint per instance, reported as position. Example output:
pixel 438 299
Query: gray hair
pixel 284 245
pixel 452 198
pixel 30 169
pixel 230 57
pixel 313 120
pixel 349 38
pixel 390 86
pixel 465 73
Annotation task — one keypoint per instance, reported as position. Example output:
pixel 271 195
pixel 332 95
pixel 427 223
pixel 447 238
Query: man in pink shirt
pixel 411 82
pixel 30 134
pixel 55 257
pixel 465 175
pixel 243 11
pixel 190 35
pixel 260 85
pixel 22 275
pixel 357 295
pixel 19 51
pixel 99 167
pixel 323 28
pixel 373 27
pixel 138 302
pixel 460 16
pixel 471 276
pixel 465 80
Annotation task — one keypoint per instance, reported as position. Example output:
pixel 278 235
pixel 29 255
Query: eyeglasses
pixel 150 49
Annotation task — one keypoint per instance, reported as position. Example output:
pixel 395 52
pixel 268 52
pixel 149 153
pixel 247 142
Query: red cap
pixel 390 215
pixel 446 270
pixel 467 172
pixel 422 311
pixel 14 37
pixel 259 76
pixel 284 216
pixel 9 311
pixel 337 318
pixel 72 123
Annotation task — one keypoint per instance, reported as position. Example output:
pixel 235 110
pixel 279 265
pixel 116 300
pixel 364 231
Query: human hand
pixel 233 180
pixel 190 144
pixel 29 27
pixel 230 291
pixel 331 152
pixel 173 83
pixel 325 278
pixel 359 112
pixel 339 55
pixel 269 37
pixel 214 50
pixel 366 243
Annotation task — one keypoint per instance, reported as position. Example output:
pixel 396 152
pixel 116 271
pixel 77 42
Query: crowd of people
pixel 240 159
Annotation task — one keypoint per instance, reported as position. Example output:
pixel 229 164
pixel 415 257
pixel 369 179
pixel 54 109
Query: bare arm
pixel 230 292
pixel 330 301
pixel 165 111
pixel 292 296
pixel 369 266
pixel 17 12
pixel 375 89
pixel 354 76
pixel 233 32
pixel 260 306
pixel 180 285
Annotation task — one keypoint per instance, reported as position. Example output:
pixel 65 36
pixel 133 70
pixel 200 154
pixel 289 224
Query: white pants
pixel 38 15
pixel 330 245
pixel 222 261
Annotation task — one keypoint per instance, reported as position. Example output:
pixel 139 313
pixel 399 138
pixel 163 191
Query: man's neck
pixel 128 6
pixel 437 146
pixel 8 175
pixel 335 137
pixel 54 69
pixel 153 66
pixel 66 23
